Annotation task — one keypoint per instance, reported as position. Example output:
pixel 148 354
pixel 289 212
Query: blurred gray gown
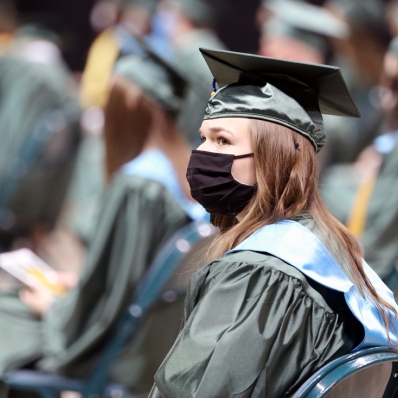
pixel 347 137
pixel 39 136
pixel 85 189
pixel 380 236
pixel 138 216
pixel 255 327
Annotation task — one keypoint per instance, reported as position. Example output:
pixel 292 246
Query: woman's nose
pixel 205 146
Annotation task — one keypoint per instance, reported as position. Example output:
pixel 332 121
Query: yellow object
pixel 357 219
pixel 212 94
pixel 5 37
pixel 42 279
pixel 101 58
pixel 6 40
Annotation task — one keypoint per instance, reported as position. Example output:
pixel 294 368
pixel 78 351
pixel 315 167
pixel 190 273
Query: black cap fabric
pixel 293 94
pixel 159 80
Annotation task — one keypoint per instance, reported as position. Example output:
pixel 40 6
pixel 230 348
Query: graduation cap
pixel 293 94
pixel 149 5
pixel 308 17
pixel 201 12
pixel 363 14
pixel 305 22
pixel 159 80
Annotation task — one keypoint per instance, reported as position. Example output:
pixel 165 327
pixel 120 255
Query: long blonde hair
pixel 286 172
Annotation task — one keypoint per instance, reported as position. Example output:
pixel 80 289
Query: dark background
pixel 70 19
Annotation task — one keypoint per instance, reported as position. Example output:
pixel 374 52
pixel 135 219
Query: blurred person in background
pixel 360 57
pixel 147 200
pixel 8 22
pixel 192 26
pixel 392 17
pixel 364 195
pixel 116 21
pixel 298 31
pixel 39 132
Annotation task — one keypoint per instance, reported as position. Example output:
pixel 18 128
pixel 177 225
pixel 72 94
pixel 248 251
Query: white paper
pixel 30 269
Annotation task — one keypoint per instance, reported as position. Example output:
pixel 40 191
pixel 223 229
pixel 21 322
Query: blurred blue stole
pixel 299 247
pixel 155 165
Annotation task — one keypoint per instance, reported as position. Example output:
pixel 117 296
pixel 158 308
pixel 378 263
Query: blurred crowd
pixel 75 149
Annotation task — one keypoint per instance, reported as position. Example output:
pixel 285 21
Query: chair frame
pixel 323 381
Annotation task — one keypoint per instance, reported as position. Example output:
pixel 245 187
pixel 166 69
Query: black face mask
pixel 213 186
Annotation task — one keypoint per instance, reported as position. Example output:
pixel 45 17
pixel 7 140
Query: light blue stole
pixel 299 247
pixel 154 165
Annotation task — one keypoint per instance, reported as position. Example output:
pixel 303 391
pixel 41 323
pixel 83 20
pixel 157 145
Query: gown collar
pixel 155 165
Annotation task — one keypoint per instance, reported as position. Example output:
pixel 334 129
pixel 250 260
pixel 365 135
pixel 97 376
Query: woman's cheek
pixel 243 171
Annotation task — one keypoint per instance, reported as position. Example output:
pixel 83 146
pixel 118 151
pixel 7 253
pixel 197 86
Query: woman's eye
pixel 222 141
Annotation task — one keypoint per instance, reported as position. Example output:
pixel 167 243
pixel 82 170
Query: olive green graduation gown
pixel 33 95
pixel 380 235
pixel 138 216
pixel 254 327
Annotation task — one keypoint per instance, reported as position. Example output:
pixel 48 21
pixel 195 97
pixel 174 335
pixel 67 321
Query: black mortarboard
pixel 293 94
pixel 159 80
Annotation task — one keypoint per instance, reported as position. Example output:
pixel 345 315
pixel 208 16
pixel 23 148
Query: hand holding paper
pixel 43 283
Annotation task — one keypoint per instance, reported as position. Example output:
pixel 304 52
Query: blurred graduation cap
pixel 201 12
pixel 38 31
pixel 159 80
pixel 293 94
pixel 304 22
pixel 149 5
pixel 367 15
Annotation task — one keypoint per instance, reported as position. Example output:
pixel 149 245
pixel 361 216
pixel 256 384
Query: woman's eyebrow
pixel 218 129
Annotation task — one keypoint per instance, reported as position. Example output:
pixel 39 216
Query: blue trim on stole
pixel 299 247
pixel 155 165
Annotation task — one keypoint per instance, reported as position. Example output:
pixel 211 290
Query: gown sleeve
pixel 255 331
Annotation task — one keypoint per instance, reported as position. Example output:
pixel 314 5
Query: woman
pixel 269 309
pixel 145 203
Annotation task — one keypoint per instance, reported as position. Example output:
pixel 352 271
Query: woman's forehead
pixel 232 124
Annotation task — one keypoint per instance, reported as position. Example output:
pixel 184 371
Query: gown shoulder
pixel 254 327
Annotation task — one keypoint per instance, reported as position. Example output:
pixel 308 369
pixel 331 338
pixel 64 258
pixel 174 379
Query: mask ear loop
pixel 247 155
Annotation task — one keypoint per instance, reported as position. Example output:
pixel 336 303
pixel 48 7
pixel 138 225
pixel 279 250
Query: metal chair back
pixel 370 373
